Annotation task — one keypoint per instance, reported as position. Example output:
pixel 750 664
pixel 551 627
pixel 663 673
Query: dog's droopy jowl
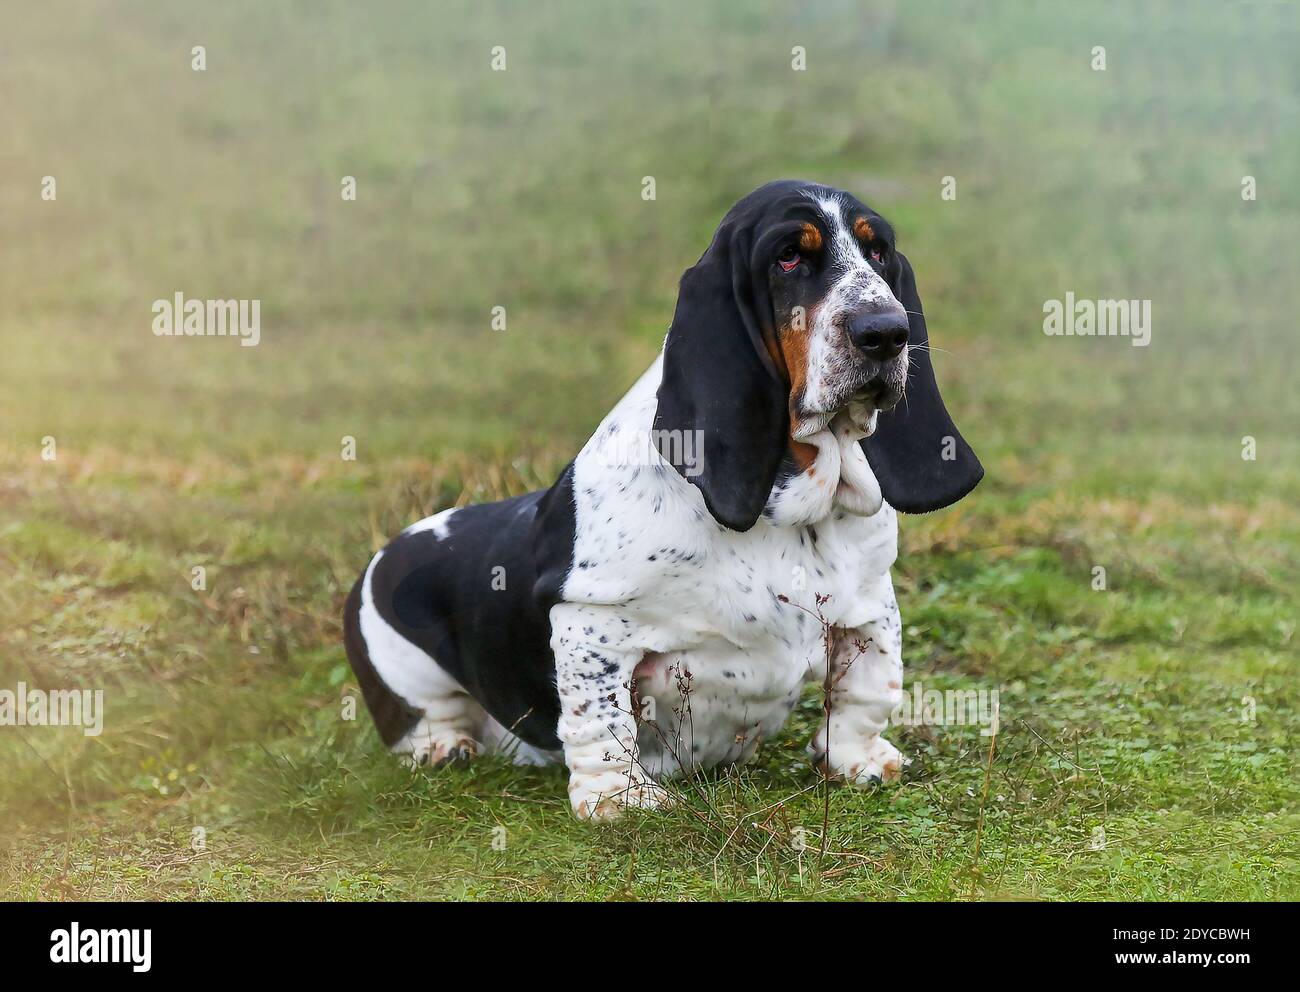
pixel 647 616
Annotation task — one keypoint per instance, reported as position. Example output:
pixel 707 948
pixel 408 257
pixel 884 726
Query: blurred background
pixel 522 189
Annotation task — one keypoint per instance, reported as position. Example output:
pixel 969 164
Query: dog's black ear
pixel 920 458
pixel 721 397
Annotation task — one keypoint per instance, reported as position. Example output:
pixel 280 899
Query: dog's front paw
pixel 861 764
pixel 605 796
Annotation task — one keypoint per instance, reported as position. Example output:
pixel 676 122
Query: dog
pixel 725 536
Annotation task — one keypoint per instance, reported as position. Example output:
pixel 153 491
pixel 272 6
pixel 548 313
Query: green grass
pixel 1127 710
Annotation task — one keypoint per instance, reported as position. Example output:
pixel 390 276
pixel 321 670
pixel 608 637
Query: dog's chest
pixel 736 631
pixel 729 624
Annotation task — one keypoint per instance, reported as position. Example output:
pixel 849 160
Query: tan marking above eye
pixel 810 239
pixel 862 230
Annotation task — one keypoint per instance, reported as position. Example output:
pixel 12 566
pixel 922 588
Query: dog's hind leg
pixel 420 711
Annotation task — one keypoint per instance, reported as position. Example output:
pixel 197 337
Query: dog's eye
pixel 788 259
pixel 878 253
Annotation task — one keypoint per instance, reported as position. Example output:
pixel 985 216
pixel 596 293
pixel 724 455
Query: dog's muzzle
pixel 880 337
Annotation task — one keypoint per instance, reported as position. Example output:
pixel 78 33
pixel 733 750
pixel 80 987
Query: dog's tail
pixel 394 716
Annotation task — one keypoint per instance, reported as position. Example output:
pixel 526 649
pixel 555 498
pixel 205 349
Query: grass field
pixel 1148 737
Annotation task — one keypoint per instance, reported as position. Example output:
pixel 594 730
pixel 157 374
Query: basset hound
pixel 728 528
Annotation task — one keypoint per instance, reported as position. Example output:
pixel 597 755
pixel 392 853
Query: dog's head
pixel 802 311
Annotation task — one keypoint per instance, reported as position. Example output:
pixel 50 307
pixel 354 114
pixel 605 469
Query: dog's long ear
pixel 920 458
pixel 721 397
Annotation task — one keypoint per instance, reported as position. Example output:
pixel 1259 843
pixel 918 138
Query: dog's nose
pixel 880 335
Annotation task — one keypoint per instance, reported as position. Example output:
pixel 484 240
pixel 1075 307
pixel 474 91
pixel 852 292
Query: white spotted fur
pixel 662 593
